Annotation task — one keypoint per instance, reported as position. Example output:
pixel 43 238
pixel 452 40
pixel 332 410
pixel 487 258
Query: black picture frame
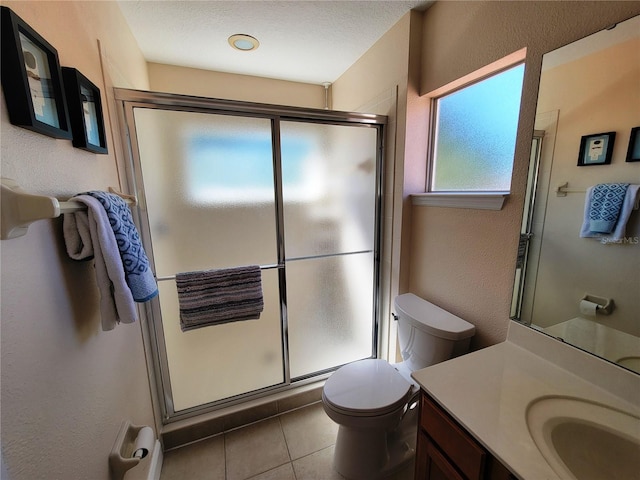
pixel 85 112
pixel 633 150
pixel 596 149
pixel 32 79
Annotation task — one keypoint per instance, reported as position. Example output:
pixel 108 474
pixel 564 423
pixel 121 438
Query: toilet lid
pixel 366 388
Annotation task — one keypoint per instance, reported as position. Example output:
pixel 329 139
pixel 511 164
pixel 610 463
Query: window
pixel 474 134
pixel 234 168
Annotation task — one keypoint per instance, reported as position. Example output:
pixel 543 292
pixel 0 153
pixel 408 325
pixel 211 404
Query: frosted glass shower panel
pixel 209 189
pixel 329 188
pixel 330 311
pixel 221 361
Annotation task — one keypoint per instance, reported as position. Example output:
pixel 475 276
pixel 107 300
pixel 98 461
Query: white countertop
pixel 488 391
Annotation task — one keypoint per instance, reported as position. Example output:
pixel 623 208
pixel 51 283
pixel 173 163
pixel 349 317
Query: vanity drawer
pixel 455 443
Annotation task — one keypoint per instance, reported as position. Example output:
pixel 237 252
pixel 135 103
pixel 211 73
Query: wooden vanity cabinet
pixel 445 451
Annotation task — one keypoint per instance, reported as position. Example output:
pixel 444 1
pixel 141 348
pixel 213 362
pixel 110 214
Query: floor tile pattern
pixel 297 445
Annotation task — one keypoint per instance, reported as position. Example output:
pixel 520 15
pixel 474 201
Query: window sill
pixel 472 200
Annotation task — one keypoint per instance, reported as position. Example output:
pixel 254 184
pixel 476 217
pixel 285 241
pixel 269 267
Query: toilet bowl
pixel 368 399
pixel 374 402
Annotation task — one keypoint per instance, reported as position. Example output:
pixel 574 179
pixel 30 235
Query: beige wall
pixel 204 83
pixel 597 93
pixel 378 83
pixel 66 385
pixel 464 260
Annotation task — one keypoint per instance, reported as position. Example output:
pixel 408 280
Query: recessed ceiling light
pixel 243 42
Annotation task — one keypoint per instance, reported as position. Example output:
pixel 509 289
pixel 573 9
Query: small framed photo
pixel 31 79
pixel 85 111
pixel 633 151
pixel 596 149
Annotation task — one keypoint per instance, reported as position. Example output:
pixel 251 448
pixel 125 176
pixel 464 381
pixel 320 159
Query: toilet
pixel 373 401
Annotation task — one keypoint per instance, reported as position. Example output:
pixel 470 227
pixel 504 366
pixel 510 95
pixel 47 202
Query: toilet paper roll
pixel 144 442
pixel 588 308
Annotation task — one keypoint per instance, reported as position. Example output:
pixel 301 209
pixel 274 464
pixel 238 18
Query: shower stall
pixel 296 191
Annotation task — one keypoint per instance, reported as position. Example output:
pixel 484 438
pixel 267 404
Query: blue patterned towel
pixel 606 203
pixel 220 296
pixel 137 272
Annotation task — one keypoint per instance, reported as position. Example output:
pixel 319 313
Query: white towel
pixel 89 234
pixel 629 204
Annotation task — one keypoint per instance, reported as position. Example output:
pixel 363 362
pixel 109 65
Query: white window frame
pixel 474 200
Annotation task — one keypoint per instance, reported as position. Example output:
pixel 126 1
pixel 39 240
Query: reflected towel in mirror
pixel 607 210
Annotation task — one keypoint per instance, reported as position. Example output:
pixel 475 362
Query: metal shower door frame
pixel 150 314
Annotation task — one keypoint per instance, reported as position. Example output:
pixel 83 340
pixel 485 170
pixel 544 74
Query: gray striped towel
pixel 219 296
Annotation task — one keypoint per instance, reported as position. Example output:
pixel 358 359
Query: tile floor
pixel 297 445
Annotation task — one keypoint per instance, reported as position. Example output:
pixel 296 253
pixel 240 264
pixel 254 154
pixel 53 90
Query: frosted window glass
pixel 209 189
pixel 330 311
pixel 221 361
pixel 476 134
pixel 329 188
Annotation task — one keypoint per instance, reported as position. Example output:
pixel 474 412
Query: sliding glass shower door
pixel 231 184
pixel 330 240
pixel 209 190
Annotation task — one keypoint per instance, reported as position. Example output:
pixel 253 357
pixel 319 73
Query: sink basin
pixel 632 363
pixel 584 440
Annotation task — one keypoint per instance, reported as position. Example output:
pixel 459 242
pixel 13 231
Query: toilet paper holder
pixel 133 443
pixel 604 305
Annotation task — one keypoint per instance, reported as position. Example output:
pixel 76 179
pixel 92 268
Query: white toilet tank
pixel 427 334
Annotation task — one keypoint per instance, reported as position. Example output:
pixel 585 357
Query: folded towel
pixel 596 218
pixel 88 234
pixel 219 296
pixel 137 272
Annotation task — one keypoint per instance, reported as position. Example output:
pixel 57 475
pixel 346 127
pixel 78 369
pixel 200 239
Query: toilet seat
pixel 366 388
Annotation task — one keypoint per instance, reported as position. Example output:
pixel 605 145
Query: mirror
pixel 585 290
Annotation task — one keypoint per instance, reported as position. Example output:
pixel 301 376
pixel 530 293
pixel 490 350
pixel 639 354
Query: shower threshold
pixel 182 432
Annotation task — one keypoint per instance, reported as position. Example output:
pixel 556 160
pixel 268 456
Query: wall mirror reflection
pixel 584 288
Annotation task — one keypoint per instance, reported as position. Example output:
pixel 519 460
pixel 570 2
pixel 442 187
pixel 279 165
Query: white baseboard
pixel 155 466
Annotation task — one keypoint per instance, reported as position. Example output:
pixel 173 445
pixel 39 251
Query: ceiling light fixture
pixel 243 42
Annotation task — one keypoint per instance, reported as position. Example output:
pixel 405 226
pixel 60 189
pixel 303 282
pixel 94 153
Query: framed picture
pixel 85 111
pixel 31 79
pixel 596 149
pixel 633 151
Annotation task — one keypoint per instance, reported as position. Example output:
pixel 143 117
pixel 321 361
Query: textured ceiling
pixel 311 41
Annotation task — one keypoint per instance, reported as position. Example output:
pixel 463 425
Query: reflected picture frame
pixel 85 112
pixel 633 150
pixel 596 149
pixel 32 79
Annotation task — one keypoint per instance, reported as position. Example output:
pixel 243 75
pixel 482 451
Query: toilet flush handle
pixel 395 317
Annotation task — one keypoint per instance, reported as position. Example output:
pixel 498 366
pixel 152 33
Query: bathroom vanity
pixel 522 409
pixel 444 449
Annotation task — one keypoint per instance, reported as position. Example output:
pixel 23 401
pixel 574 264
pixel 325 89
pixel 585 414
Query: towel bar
pixel 563 189
pixel 20 209
pixel 173 277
